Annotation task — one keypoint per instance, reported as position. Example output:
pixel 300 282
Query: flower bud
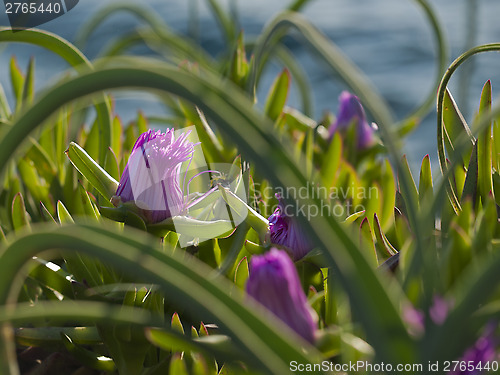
pixel 275 284
pixel 483 351
pixel 285 231
pixel 351 112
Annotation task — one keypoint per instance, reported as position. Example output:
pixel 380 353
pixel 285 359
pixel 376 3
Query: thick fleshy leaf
pixel 53 276
pixel 484 148
pixel 425 182
pixel 176 324
pixel 253 248
pixel 29 83
pixel 259 223
pixel 20 218
pixel 297 120
pixel 367 243
pixel 276 98
pixel 241 273
pixel 17 81
pixel 61 135
pixel 192 227
pixel 171 240
pixel 231 248
pixel 5 110
pixel 76 59
pixel 403 232
pixel 487 222
pixel 117 129
pixel 178 365
pixel 263 148
pixel 87 357
pixel 91 145
pixel 209 284
pixel 111 165
pixel 142 123
pixel 454 126
pixel 383 245
pixel 389 196
pixel 406 174
pixel 239 65
pixel 63 214
pixel 88 205
pixel 470 190
pixel 45 165
pixel 129 216
pixel 496 145
pixel 46 215
pixel 93 172
pixel 37 187
pixel 51 336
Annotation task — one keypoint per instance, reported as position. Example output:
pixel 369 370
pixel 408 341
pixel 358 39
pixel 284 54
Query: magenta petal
pixel 439 310
pixel 351 111
pixel 484 350
pixel 285 231
pixel 274 283
pixel 151 178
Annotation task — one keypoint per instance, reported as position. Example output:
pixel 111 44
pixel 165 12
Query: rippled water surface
pixel 390 40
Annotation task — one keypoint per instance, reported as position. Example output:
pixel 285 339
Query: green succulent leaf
pixel 454 126
pixel 20 218
pixel 406 174
pixel 93 172
pixel 425 192
pixel 278 93
pixel 241 274
pixel 63 214
pixel 484 148
pixel 377 307
pixel 87 357
pixel 470 190
pixel 17 80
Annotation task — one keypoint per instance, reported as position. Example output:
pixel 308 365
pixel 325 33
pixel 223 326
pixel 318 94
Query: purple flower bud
pixel 415 320
pixel 285 231
pixel 151 176
pixel 484 350
pixel 439 309
pixel 351 112
pixel 438 312
pixel 275 284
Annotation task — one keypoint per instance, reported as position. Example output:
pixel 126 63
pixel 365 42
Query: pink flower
pixel 274 283
pixel 351 113
pixel 151 178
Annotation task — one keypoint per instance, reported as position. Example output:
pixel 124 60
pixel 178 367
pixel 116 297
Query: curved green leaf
pixel 93 172
pixel 77 60
pixel 374 304
pixel 451 190
pixel 182 280
pixel 353 77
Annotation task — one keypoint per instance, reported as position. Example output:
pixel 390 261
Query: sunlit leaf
pixel 484 148
pixel 425 181
pixel 93 172
pixel 454 125
pixel 17 81
pixel 241 274
pixel 278 93
pixel 20 218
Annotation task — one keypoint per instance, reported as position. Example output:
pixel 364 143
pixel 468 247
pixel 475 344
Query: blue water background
pixel 390 40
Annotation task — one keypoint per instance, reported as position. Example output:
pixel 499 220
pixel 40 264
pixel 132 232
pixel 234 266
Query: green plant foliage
pixel 92 279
